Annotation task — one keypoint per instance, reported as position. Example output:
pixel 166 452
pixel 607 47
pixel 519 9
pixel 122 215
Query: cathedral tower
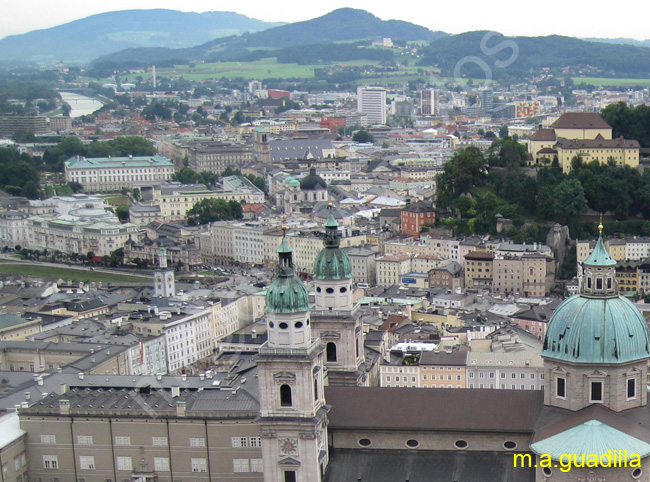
pixel 293 414
pixel 336 318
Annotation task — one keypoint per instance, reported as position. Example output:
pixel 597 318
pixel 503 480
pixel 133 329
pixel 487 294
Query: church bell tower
pixel 293 414
pixel 164 283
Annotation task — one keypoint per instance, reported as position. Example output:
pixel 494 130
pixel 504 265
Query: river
pixel 81 105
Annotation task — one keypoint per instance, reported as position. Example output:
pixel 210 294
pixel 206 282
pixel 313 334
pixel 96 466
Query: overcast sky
pixel 509 17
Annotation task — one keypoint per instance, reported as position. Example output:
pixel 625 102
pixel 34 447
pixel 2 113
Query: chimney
pixel 64 407
pixel 201 376
pixel 184 377
pixel 254 335
pixel 176 391
pixel 82 375
pixel 158 376
pixel 28 395
pixel 39 381
pixel 180 408
pixel 63 388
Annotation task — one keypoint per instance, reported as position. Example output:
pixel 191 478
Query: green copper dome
pixel 287 293
pixel 332 262
pixel 585 329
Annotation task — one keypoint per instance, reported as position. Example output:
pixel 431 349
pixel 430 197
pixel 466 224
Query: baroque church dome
pixel 287 293
pixel 332 262
pixel 597 325
pixel 312 181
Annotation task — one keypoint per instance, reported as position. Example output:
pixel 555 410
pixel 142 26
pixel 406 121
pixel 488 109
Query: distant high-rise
pixel 429 102
pixel 372 102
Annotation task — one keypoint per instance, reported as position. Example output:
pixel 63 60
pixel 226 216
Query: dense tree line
pixel 629 123
pixel 210 210
pixel 72 146
pixel 475 199
pixel 19 174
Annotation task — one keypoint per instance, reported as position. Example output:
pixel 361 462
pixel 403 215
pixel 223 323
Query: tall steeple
pixel 293 414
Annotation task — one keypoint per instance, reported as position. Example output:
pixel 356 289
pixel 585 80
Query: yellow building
pixel 443 369
pixel 581 125
pixel 627 276
pixel 542 139
pixel 624 152
pixel 14 327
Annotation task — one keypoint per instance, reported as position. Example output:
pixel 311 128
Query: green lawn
pixel 56 272
pixel 605 82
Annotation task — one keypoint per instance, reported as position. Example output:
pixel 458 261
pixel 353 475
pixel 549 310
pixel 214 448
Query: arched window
pixel 315 389
pixel 330 350
pixel 285 396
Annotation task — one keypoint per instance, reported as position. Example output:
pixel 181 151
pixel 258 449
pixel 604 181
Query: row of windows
pixel 161 464
pixel 503 375
pixel 159 441
pixel 504 386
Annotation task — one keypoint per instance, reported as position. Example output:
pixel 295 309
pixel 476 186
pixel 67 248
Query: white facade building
pixel 371 101
pixel 110 174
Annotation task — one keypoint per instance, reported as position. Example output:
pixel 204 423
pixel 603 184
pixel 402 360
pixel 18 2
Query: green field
pixel 55 272
pixel 259 69
pixel 605 82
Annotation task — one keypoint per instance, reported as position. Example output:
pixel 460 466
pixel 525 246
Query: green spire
pixel 331 222
pixel 600 256
pixel 331 262
pixel 287 293
pixel 285 247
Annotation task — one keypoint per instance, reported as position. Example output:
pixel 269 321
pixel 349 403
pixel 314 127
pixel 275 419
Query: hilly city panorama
pixel 323 243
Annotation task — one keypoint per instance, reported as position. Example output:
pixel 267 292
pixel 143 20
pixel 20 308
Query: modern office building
pixel 372 102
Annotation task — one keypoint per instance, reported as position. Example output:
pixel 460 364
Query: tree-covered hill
pixel 526 55
pixel 90 37
pixel 342 25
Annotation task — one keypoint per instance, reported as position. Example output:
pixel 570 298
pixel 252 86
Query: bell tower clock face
pixel 289 446
pixel 159 281
pixel 170 279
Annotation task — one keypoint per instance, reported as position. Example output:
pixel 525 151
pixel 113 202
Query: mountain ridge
pixel 113 31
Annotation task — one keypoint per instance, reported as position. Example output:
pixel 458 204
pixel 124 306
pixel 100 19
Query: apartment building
pixel 530 275
pixel 415 216
pixel 391 267
pixel 217 156
pixel 364 264
pixel 478 269
pixel 146 432
pixel 110 174
pixel 443 369
pixel 188 337
pixel 522 370
pixel 448 275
